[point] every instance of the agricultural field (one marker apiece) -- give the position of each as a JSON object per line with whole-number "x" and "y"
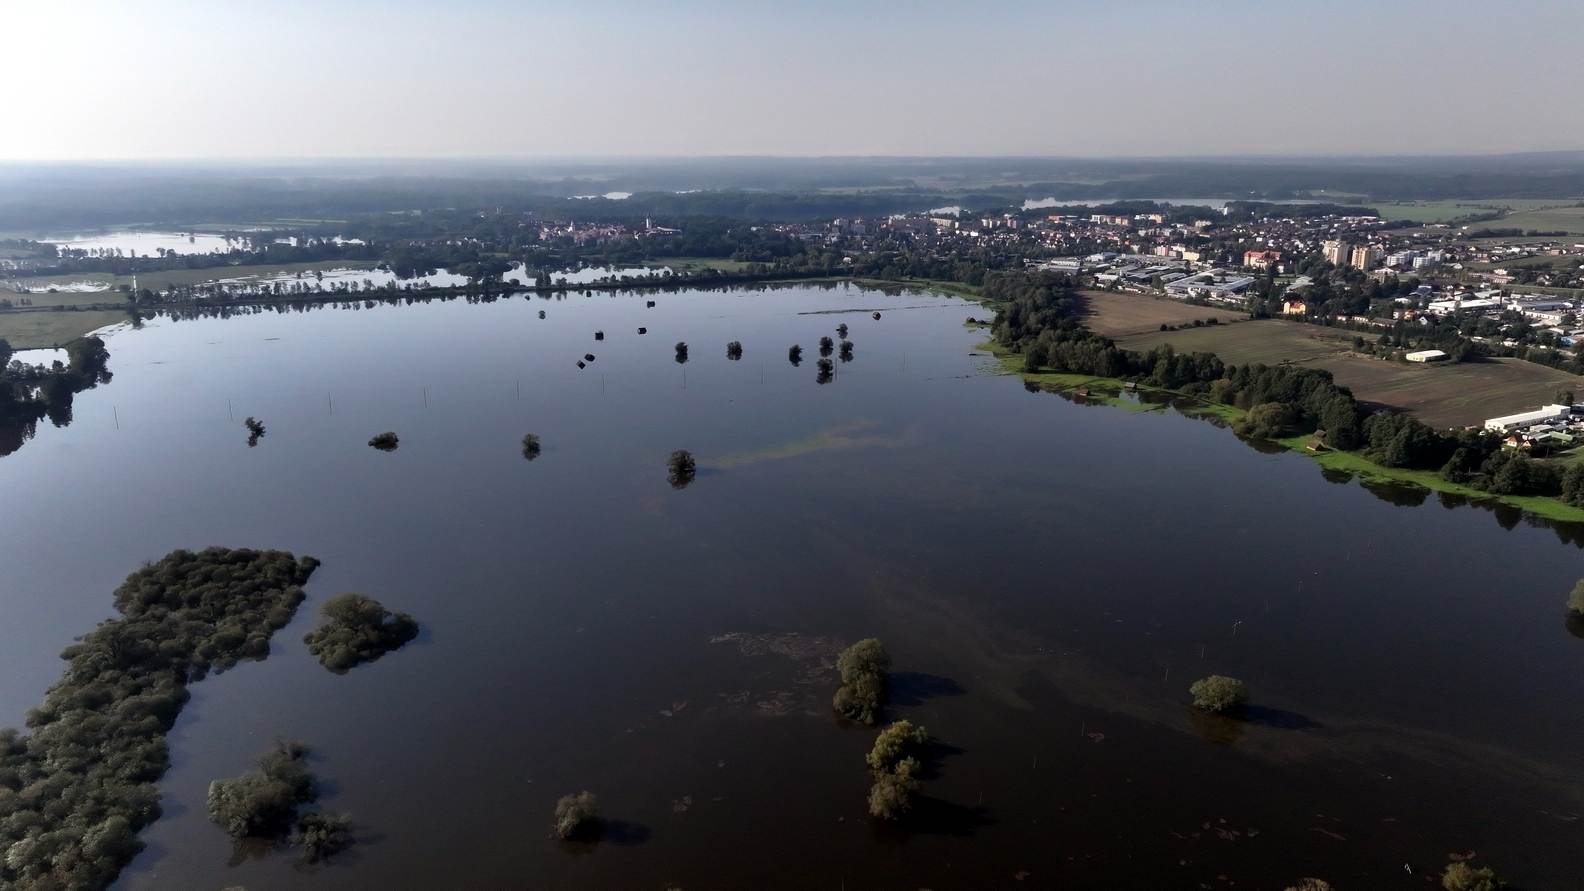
{"x": 1120, "y": 315}
{"x": 683, "y": 263}
{"x": 1441, "y": 395}
{"x": 40, "y": 330}
{"x": 1444, "y": 211}
{"x": 1547, "y": 219}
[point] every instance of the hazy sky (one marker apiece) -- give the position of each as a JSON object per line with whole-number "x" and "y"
{"x": 273, "y": 78}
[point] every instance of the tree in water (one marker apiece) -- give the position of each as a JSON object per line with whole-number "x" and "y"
{"x": 322, "y": 836}
{"x": 530, "y": 446}
{"x": 827, "y": 371}
{"x": 846, "y": 351}
{"x": 734, "y": 351}
{"x": 385, "y": 442}
{"x": 1218, "y": 694}
{"x": 795, "y": 355}
{"x": 841, "y": 330}
{"x": 264, "y": 803}
{"x": 577, "y": 815}
{"x": 681, "y": 468}
{"x": 255, "y": 429}
{"x": 863, "y": 668}
{"x": 681, "y": 353}
{"x": 826, "y": 346}
{"x": 1575, "y": 601}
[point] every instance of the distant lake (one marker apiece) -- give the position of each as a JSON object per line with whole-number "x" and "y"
{"x": 143, "y": 244}
{"x": 1049, "y": 576}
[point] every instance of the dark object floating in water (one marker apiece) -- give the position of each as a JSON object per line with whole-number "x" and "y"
{"x": 877, "y": 315}
{"x": 255, "y": 429}
{"x": 541, "y": 313}
{"x": 734, "y": 351}
{"x": 385, "y": 442}
{"x": 651, "y": 304}
{"x": 588, "y": 357}
{"x": 531, "y": 446}
{"x": 795, "y": 354}
{"x": 582, "y": 364}
{"x": 643, "y": 330}
{"x": 681, "y": 468}
{"x": 841, "y": 330}
{"x": 681, "y": 352}
{"x": 599, "y": 335}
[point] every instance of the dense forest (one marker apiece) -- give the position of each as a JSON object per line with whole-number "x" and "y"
{"x": 1037, "y": 319}
{"x": 75, "y": 791}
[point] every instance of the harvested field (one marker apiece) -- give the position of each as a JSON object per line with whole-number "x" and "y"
{"x": 1441, "y": 394}
{"x": 1119, "y": 315}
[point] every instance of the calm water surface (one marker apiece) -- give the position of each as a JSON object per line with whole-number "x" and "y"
{"x": 1049, "y": 577}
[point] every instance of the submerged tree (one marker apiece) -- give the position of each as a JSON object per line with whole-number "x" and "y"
{"x": 863, "y": 668}
{"x": 576, "y": 815}
{"x": 795, "y": 355}
{"x": 894, "y": 743}
{"x": 264, "y": 803}
{"x": 681, "y": 468}
{"x": 255, "y": 429}
{"x": 734, "y": 351}
{"x": 681, "y": 352}
{"x": 530, "y": 446}
{"x": 846, "y": 351}
{"x": 827, "y": 371}
{"x": 322, "y": 836}
{"x": 826, "y": 346}
{"x": 385, "y": 442}
{"x": 357, "y": 629}
{"x": 1218, "y": 694}
{"x": 841, "y": 330}
{"x": 1575, "y": 601}
{"x": 1460, "y": 876}
{"x": 891, "y": 796}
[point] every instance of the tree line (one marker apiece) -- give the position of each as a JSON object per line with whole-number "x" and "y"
{"x": 1037, "y": 318}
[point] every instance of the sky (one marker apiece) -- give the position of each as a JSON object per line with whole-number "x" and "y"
{"x": 175, "y": 79}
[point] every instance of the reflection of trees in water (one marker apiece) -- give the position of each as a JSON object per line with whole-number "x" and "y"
{"x": 31, "y": 392}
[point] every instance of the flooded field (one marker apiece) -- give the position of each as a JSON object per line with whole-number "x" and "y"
{"x": 1049, "y": 577}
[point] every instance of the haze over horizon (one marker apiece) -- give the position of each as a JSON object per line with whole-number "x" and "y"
{"x": 178, "y": 79}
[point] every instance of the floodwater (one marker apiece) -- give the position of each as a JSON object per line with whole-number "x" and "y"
{"x": 137, "y": 243}
{"x": 327, "y": 279}
{"x": 1049, "y": 577}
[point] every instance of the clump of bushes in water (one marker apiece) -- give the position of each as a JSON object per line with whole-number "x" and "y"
{"x": 1460, "y": 876}
{"x": 1218, "y": 694}
{"x": 1575, "y": 601}
{"x": 577, "y": 815}
{"x": 826, "y": 346}
{"x": 895, "y": 771}
{"x": 530, "y": 446}
{"x": 681, "y": 468}
{"x": 357, "y": 629}
{"x": 863, "y": 668}
{"x": 841, "y": 330}
{"x": 681, "y": 352}
{"x": 846, "y": 351}
{"x": 322, "y": 836}
{"x": 734, "y": 351}
{"x": 255, "y": 429}
{"x": 385, "y": 442}
{"x": 1310, "y": 885}
{"x": 75, "y": 792}
{"x": 264, "y": 803}
{"x": 795, "y": 354}
{"x": 827, "y": 371}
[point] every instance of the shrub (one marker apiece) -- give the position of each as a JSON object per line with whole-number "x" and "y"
{"x": 576, "y": 815}
{"x": 1268, "y": 420}
{"x": 826, "y": 345}
{"x": 255, "y": 429}
{"x": 841, "y": 330}
{"x": 893, "y": 743}
{"x": 1575, "y": 601}
{"x": 264, "y": 803}
{"x": 1462, "y": 877}
{"x": 827, "y": 371}
{"x": 357, "y": 629}
{"x": 385, "y": 442}
{"x": 530, "y": 446}
{"x": 322, "y": 836}
{"x": 1218, "y": 693}
{"x": 862, "y": 667}
{"x": 1310, "y": 885}
{"x": 734, "y": 351}
{"x": 681, "y": 352}
{"x": 681, "y": 468}
{"x": 795, "y": 354}
{"x": 846, "y": 351}
{"x": 892, "y": 793}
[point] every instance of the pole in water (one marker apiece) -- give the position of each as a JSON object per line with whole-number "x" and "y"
{"x": 519, "y": 388}
{"x": 229, "y": 413}
{"x": 330, "y": 402}
{"x": 117, "y": 413}
{"x": 426, "y": 397}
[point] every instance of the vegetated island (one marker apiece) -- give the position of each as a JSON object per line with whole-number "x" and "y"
{"x": 1037, "y": 333}
{"x": 357, "y": 629}
{"x": 265, "y": 804}
{"x": 385, "y": 442}
{"x": 76, "y": 790}
{"x": 862, "y": 693}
